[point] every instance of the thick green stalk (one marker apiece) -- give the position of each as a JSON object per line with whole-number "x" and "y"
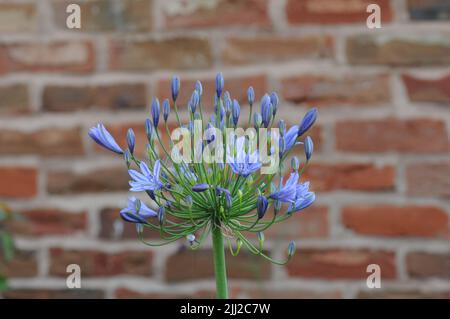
{"x": 220, "y": 269}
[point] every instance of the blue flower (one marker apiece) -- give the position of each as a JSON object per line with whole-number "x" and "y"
{"x": 148, "y": 129}
{"x": 266, "y": 110}
{"x": 282, "y": 128}
{"x": 219, "y": 84}
{"x": 243, "y": 164}
{"x": 287, "y": 193}
{"x": 274, "y": 100}
{"x": 303, "y": 198}
{"x": 166, "y": 109}
{"x": 261, "y": 206}
{"x": 291, "y": 249}
{"x": 155, "y": 112}
{"x": 194, "y": 101}
{"x": 200, "y": 188}
{"x": 290, "y": 137}
{"x": 175, "y": 87}
{"x": 236, "y": 112}
{"x": 136, "y": 211}
{"x": 131, "y": 140}
{"x": 146, "y": 180}
{"x": 199, "y": 88}
{"x": 250, "y": 95}
{"x": 308, "y": 121}
{"x": 103, "y": 138}
{"x": 309, "y": 147}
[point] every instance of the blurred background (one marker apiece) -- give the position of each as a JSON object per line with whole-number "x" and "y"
{"x": 381, "y": 168}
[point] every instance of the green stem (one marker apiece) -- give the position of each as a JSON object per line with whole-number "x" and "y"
{"x": 219, "y": 263}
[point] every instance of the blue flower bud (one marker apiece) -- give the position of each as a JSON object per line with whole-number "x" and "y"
{"x": 228, "y": 103}
{"x": 282, "y": 146}
{"x": 222, "y": 113}
{"x": 282, "y": 128}
{"x": 155, "y": 112}
{"x": 199, "y": 88}
{"x": 274, "y": 100}
{"x": 308, "y": 121}
{"x": 166, "y": 109}
{"x": 175, "y": 86}
{"x": 219, "y": 84}
{"x": 195, "y": 100}
{"x": 228, "y": 200}
{"x": 261, "y": 206}
{"x": 291, "y": 249}
{"x": 266, "y": 110}
{"x": 131, "y": 140}
{"x": 200, "y": 187}
{"x": 295, "y": 163}
{"x": 309, "y": 147}
{"x": 161, "y": 215}
{"x": 148, "y": 129}
{"x": 188, "y": 201}
{"x": 236, "y": 112}
{"x": 257, "y": 120}
{"x": 250, "y": 95}
{"x": 127, "y": 157}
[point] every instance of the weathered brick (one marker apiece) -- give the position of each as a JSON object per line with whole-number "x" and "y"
{"x": 108, "y": 15}
{"x": 429, "y": 9}
{"x": 334, "y": 11}
{"x": 53, "y": 294}
{"x": 44, "y": 142}
{"x": 23, "y": 264}
{"x": 392, "y": 135}
{"x": 425, "y": 265}
{"x": 121, "y": 96}
{"x": 125, "y": 293}
{"x": 428, "y": 90}
{"x": 199, "y": 14}
{"x": 237, "y": 86}
{"x": 424, "y": 50}
{"x": 261, "y": 49}
{"x": 313, "y": 222}
{"x": 101, "y": 264}
{"x": 110, "y": 179}
{"x": 14, "y": 99}
{"x": 390, "y": 220}
{"x": 355, "y": 90}
{"x": 18, "y": 17}
{"x": 428, "y": 179}
{"x": 194, "y": 265}
{"x": 402, "y": 294}
{"x": 340, "y": 264}
{"x": 47, "y": 222}
{"x": 74, "y": 56}
{"x": 175, "y": 53}
{"x": 350, "y": 176}
{"x": 18, "y": 181}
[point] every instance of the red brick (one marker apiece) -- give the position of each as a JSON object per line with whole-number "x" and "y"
{"x": 194, "y": 265}
{"x": 53, "y": 294}
{"x": 334, "y": 11}
{"x": 428, "y": 179}
{"x": 425, "y": 265}
{"x": 428, "y": 90}
{"x": 424, "y": 50}
{"x": 340, "y": 263}
{"x": 106, "y": 15}
{"x": 330, "y": 90}
{"x": 392, "y": 135}
{"x": 110, "y": 179}
{"x": 20, "y": 182}
{"x": 44, "y": 142}
{"x": 175, "y": 53}
{"x": 125, "y": 293}
{"x": 200, "y": 14}
{"x": 48, "y": 221}
{"x": 101, "y": 264}
{"x": 14, "y": 99}
{"x": 23, "y": 265}
{"x": 237, "y": 86}
{"x": 389, "y": 220}
{"x": 261, "y": 49}
{"x": 18, "y": 17}
{"x": 120, "y": 96}
{"x": 74, "y": 56}
{"x": 350, "y": 176}
{"x": 313, "y": 222}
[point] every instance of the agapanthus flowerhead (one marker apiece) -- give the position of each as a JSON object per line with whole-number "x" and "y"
{"x": 156, "y": 111}
{"x": 308, "y": 121}
{"x": 137, "y": 212}
{"x": 250, "y": 95}
{"x": 146, "y": 179}
{"x": 236, "y": 111}
{"x": 103, "y": 138}
{"x": 266, "y": 110}
{"x": 242, "y": 163}
{"x": 131, "y": 140}
{"x": 219, "y": 84}
{"x": 166, "y": 109}
{"x": 175, "y": 87}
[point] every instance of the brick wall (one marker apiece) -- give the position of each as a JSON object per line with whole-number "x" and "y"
{"x": 381, "y": 170}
